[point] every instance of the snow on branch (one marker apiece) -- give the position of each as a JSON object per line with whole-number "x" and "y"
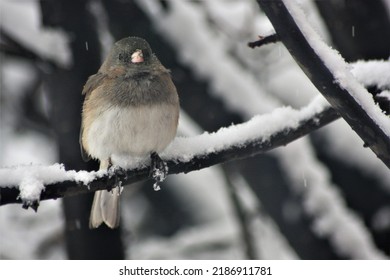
{"x": 216, "y": 64}
{"x": 372, "y": 73}
{"x": 48, "y": 45}
{"x": 343, "y": 228}
{"x": 330, "y": 74}
{"x": 29, "y": 185}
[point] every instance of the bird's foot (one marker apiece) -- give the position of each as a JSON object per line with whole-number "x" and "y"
{"x": 118, "y": 173}
{"x": 158, "y": 170}
{"x": 33, "y": 204}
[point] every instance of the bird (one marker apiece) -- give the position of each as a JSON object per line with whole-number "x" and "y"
{"x": 131, "y": 107}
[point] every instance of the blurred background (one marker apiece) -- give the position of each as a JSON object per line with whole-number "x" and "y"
{"x": 321, "y": 197}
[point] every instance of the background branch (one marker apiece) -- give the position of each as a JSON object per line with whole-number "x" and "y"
{"x": 198, "y": 161}
{"x": 283, "y": 195}
{"x": 11, "y": 47}
{"x": 322, "y": 77}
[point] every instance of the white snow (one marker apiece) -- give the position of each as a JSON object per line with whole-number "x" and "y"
{"x": 25, "y": 147}
{"x": 343, "y": 143}
{"x": 223, "y": 12}
{"x": 385, "y": 94}
{"x": 14, "y": 176}
{"x": 322, "y": 200}
{"x": 106, "y": 39}
{"x": 259, "y": 127}
{"x": 30, "y": 189}
{"x": 271, "y": 244}
{"x": 373, "y": 72}
{"x": 339, "y": 68}
{"x": 248, "y": 82}
{"x": 208, "y": 54}
{"x": 28, "y": 235}
{"x": 201, "y": 189}
{"x": 189, "y": 244}
{"x": 21, "y": 19}
{"x": 31, "y": 179}
{"x": 341, "y": 140}
{"x": 183, "y": 148}
{"x": 15, "y": 70}
{"x": 205, "y": 50}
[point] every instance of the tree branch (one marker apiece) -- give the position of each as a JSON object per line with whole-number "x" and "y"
{"x": 323, "y": 77}
{"x": 243, "y": 219}
{"x": 281, "y": 137}
{"x": 264, "y": 40}
{"x": 11, "y": 47}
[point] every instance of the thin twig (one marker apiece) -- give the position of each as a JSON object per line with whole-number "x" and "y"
{"x": 264, "y": 40}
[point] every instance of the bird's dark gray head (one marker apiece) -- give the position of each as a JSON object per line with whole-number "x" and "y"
{"x": 129, "y": 52}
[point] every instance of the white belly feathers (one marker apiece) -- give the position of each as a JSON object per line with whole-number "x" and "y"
{"x": 136, "y": 131}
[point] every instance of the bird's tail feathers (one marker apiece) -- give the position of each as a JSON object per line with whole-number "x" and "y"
{"x": 105, "y": 206}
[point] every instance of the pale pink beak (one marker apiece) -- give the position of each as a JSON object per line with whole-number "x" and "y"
{"x": 137, "y": 57}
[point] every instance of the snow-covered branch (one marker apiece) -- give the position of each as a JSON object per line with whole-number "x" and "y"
{"x": 308, "y": 177}
{"x": 330, "y": 74}
{"x": 29, "y": 185}
{"x": 48, "y": 45}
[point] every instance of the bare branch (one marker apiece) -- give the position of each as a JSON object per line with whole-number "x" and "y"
{"x": 264, "y": 40}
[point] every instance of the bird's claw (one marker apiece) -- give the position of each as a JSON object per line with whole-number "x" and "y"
{"x": 158, "y": 170}
{"x": 118, "y": 172}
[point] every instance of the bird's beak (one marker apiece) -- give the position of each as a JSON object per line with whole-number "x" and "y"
{"x": 137, "y": 57}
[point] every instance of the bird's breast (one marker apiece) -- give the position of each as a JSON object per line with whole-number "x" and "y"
{"x": 132, "y": 130}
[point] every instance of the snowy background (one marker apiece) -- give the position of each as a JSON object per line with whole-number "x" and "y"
{"x": 323, "y": 196}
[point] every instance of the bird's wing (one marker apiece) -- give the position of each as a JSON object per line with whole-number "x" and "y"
{"x": 92, "y": 83}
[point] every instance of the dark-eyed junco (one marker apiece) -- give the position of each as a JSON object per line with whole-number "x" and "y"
{"x": 131, "y": 107}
